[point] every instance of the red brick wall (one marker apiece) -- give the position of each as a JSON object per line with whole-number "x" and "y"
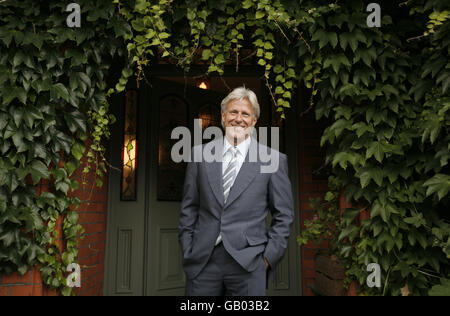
{"x": 311, "y": 157}
{"x": 92, "y": 216}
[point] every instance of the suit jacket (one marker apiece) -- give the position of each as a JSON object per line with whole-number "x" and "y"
{"x": 242, "y": 219}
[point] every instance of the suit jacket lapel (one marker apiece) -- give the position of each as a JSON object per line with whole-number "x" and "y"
{"x": 247, "y": 173}
{"x": 214, "y": 172}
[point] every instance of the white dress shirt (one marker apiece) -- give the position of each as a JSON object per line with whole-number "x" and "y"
{"x": 242, "y": 149}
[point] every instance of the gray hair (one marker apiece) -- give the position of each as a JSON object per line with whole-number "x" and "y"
{"x": 239, "y": 94}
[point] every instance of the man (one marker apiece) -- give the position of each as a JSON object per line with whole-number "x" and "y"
{"x": 227, "y": 249}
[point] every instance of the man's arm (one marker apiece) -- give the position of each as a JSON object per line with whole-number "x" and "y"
{"x": 189, "y": 206}
{"x": 282, "y": 209}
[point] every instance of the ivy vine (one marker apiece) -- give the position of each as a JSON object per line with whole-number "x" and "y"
{"x": 384, "y": 92}
{"x": 386, "y": 95}
{"x": 53, "y": 98}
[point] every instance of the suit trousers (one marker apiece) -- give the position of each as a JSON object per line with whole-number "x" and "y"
{"x": 222, "y": 275}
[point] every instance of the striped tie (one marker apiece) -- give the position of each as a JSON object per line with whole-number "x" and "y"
{"x": 229, "y": 174}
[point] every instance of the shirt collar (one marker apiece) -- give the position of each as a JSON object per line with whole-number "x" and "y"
{"x": 242, "y": 146}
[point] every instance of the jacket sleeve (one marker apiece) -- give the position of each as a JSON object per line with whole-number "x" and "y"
{"x": 282, "y": 210}
{"x": 189, "y": 207}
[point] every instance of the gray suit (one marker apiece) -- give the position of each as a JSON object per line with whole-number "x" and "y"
{"x": 242, "y": 219}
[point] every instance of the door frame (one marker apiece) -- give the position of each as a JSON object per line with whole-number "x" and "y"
{"x": 291, "y": 146}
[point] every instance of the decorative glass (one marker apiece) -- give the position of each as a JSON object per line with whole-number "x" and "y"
{"x": 210, "y": 116}
{"x": 129, "y": 149}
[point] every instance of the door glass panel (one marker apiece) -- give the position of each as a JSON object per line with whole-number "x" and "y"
{"x": 173, "y": 112}
{"x": 210, "y": 116}
{"x": 129, "y": 148}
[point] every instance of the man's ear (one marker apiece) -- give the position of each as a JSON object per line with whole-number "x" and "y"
{"x": 223, "y": 118}
{"x": 255, "y": 120}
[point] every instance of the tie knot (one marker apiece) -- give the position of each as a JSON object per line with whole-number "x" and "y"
{"x": 234, "y": 151}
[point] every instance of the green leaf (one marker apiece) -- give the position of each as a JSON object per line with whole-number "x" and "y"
{"x": 440, "y": 183}
{"x": 33, "y": 221}
{"x": 8, "y": 237}
{"x": 422, "y": 240}
{"x": 67, "y": 291}
{"x": 17, "y": 114}
{"x": 333, "y": 39}
{"x": 76, "y": 121}
{"x": 290, "y": 73}
{"x": 85, "y": 80}
{"x": 39, "y": 171}
{"x": 72, "y": 217}
{"x": 377, "y": 228}
{"x": 206, "y": 54}
{"x": 342, "y": 158}
{"x": 33, "y": 252}
{"x": 321, "y": 36}
{"x": 367, "y": 55}
{"x": 18, "y": 140}
{"x": 246, "y": 4}
{"x": 59, "y": 91}
{"x": 442, "y": 289}
{"x": 78, "y": 57}
{"x": 62, "y": 186}
{"x": 349, "y": 215}
{"x": 278, "y": 69}
{"x": 348, "y": 232}
{"x": 70, "y": 167}
{"x": 348, "y": 38}
{"x": 268, "y": 46}
{"x": 259, "y": 14}
{"x": 367, "y": 174}
{"x": 10, "y": 93}
{"x": 384, "y": 212}
{"x": 336, "y": 61}
{"x": 19, "y": 57}
{"x": 375, "y": 149}
{"x": 339, "y": 126}
{"x": 78, "y": 150}
{"x": 219, "y": 59}
{"x": 288, "y": 84}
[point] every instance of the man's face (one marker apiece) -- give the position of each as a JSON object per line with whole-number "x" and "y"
{"x": 238, "y": 119}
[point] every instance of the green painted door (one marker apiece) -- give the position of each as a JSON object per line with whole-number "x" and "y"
{"x": 177, "y": 105}
{"x": 143, "y": 254}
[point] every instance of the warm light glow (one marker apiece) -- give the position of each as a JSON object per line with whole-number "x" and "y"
{"x": 129, "y": 149}
{"x": 203, "y": 85}
{"x": 205, "y": 120}
{"x": 129, "y": 157}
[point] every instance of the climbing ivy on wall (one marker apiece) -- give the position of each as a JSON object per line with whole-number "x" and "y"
{"x": 383, "y": 91}
{"x": 214, "y": 32}
{"x": 52, "y": 99}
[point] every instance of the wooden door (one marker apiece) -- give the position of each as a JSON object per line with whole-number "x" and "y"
{"x": 174, "y": 105}
{"x": 143, "y": 254}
